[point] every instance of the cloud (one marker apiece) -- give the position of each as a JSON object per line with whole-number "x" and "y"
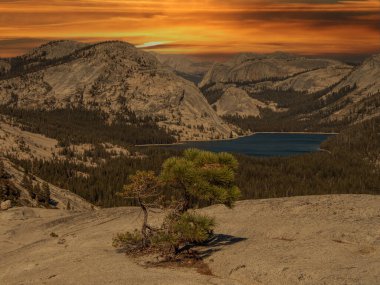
{"x": 196, "y": 26}
{"x": 152, "y": 45}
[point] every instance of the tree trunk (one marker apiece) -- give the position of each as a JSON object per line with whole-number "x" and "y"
{"x": 145, "y": 224}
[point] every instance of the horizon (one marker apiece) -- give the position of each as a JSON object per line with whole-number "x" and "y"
{"x": 200, "y": 29}
{"x": 215, "y": 57}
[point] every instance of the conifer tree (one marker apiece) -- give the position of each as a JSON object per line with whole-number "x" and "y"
{"x": 202, "y": 177}
{"x": 45, "y": 193}
{"x": 37, "y": 192}
{"x": 143, "y": 188}
{"x": 197, "y": 178}
{"x": 28, "y": 185}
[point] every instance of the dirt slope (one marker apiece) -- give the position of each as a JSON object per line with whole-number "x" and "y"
{"x": 302, "y": 240}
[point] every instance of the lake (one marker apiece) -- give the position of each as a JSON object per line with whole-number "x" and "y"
{"x": 265, "y": 144}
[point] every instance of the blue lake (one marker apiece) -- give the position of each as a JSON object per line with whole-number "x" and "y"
{"x": 266, "y": 144}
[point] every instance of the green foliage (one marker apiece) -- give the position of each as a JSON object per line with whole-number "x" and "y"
{"x": 180, "y": 231}
{"x": 175, "y": 233}
{"x": 192, "y": 228}
{"x": 312, "y": 174}
{"x": 197, "y": 176}
{"x": 101, "y": 183}
{"x": 142, "y": 185}
{"x": 348, "y": 169}
{"x": 361, "y": 140}
{"x": 202, "y": 177}
{"x": 129, "y": 241}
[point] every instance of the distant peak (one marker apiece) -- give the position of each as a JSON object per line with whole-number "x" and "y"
{"x": 55, "y": 49}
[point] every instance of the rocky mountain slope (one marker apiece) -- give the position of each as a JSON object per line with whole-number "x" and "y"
{"x": 254, "y": 68}
{"x": 320, "y": 90}
{"x": 185, "y": 66}
{"x": 330, "y": 239}
{"x": 59, "y": 196}
{"x": 5, "y": 66}
{"x": 111, "y": 77}
{"x": 236, "y": 102}
{"x": 256, "y": 74}
{"x": 362, "y": 101}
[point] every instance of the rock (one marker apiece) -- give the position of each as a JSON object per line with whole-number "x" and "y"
{"x": 115, "y": 77}
{"x": 5, "y": 205}
{"x": 236, "y": 102}
{"x": 253, "y": 68}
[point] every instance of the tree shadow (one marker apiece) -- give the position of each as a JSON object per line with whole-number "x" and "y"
{"x": 214, "y": 244}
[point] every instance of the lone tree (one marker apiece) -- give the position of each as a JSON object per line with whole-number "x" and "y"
{"x": 198, "y": 178}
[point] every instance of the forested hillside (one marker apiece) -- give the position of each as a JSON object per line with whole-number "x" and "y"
{"x": 78, "y": 125}
{"x": 348, "y": 165}
{"x": 292, "y": 93}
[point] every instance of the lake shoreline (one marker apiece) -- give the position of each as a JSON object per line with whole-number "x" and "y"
{"x": 301, "y": 133}
{"x": 236, "y": 138}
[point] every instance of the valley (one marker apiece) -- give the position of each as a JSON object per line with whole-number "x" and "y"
{"x": 82, "y": 128}
{"x": 78, "y": 120}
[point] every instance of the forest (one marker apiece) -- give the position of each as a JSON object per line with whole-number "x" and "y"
{"x": 299, "y": 105}
{"x": 79, "y": 125}
{"x": 346, "y": 166}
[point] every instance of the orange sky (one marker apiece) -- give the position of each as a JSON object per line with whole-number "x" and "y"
{"x": 197, "y": 27}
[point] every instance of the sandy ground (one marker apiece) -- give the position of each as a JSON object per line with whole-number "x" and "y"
{"x": 302, "y": 240}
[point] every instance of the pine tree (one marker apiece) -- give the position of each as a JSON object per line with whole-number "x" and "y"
{"x": 143, "y": 187}
{"x": 28, "y": 185}
{"x": 198, "y": 177}
{"x": 37, "y": 192}
{"x": 45, "y": 193}
{"x": 202, "y": 177}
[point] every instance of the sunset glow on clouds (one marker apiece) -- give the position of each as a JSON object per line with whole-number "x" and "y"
{"x": 195, "y": 26}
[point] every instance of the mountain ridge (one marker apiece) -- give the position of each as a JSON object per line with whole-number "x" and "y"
{"x": 324, "y": 91}
{"x": 111, "y": 76}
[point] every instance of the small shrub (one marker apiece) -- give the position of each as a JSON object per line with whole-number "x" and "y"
{"x": 193, "y": 228}
{"x": 128, "y": 241}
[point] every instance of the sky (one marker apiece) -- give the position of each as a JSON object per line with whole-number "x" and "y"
{"x": 208, "y": 28}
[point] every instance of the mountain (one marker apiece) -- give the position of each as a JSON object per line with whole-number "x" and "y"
{"x": 112, "y": 77}
{"x": 294, "y": 90}
{"x": 5, "y": 67}
{"x": 362, "y": 98}
{"x": 54, "y": 50}
{"x": 236, "y": 102}
{"x": 185, "y": 66}
{"x": 257, "y": 74}
{"x": 253, "y": 68}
